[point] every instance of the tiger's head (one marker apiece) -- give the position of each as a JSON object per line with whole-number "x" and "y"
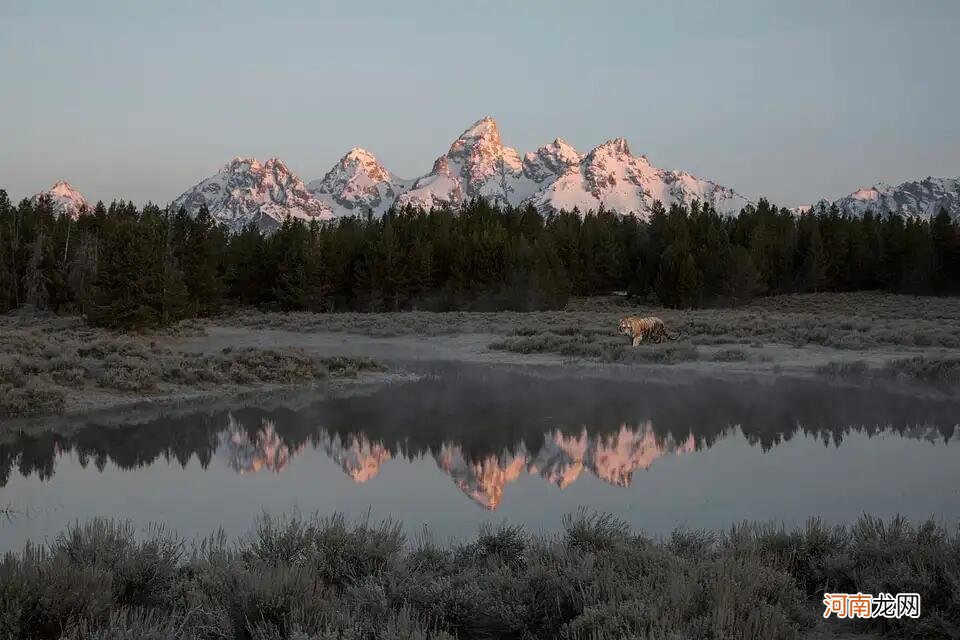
{"x": 624, "y": 327}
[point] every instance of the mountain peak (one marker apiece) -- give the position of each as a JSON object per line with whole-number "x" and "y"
{"x": 358, "y": 153}
{"x": 557, "y": 177}
{"x": 486, "y": 123}
{"x": 483, "y": 129}
{"x": 64, "y": 199}
{"x": 616, "y": 145}
{"x": 246, "y": 191}
{"x": 922, "y": 198}
{"x": 276, "y": 164}
{"x": 550, "y": 161}
{"x": 241, "y": 164}
{"x": 358, "y": 183}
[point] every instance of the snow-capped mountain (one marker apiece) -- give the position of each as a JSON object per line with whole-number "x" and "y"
{"x": 550, "y": 161}
{"x": 613, "y": 178}
{"x": 914, "y": 198}
{"x": 65, "y": 199}
{"x": 246, "y": 191}
{"x": 923, "y": 198}
{"x": 557, "y": 177}
{"x": 477, "y": 165}
{"x": 358, "y": 184}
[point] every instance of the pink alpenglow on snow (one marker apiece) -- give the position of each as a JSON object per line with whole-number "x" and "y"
{"x": 65, "y": 200}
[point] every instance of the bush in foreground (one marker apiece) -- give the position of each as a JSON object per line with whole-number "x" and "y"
{"x": 327, "y": 578}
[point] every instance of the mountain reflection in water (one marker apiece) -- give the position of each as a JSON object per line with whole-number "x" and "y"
{"x": 486, "y": 428}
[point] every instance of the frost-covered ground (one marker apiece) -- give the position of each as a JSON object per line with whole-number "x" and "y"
{"x": 60, "y": 365}
{"x": 783, "y": 334}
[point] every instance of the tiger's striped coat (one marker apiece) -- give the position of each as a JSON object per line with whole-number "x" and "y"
{"x": 640, "y": 329}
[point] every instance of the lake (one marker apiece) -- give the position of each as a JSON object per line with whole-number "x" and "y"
{"x": 466, "y": 445}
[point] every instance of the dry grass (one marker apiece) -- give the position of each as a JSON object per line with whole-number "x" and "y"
{"x": 313, "y": 578}
{"x": 44, "y": 361}
{"x": 587, "y": 327}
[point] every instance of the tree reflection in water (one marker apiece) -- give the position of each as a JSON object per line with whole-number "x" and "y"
{"x": 487, "y": 427}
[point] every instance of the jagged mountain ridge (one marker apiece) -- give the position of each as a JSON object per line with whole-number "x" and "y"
{"x": 245, "y": 191}
{"x": 65, "y": 199}
{"x": 611, "y": 177}
{"x": 358, "y": 184}
{"x": 477, "y": 165}
{"x": 921, "y": 198}
{"x": 557, "y": 177}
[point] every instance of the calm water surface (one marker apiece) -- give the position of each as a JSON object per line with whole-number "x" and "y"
{"x": 468, "y": 445}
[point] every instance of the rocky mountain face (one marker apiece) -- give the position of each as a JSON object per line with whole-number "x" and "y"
{"x": 358, "y": 184}
{"x": 65, "y": 199}
{"x": 922, "y": 198}
{"x": 246, "y": 191}
{"x": 477, "y": 165}
{"x": 611, "y": 177}
{"x": 550, "y": 161}
{"x": 557, "y": 177}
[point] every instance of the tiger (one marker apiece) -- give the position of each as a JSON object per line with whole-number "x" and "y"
{"x": 640, "y": 329}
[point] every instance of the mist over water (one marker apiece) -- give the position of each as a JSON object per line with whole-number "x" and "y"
{"x": 465, "y": 445}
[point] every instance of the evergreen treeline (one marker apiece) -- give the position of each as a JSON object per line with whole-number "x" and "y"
{"x": 128, "y": 267}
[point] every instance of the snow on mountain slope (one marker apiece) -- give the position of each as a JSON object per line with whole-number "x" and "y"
{"x": 65, "y": 199}
{"x": 557, "y": 177}
{"x": 246, "y": 191}
{"x": 550, "y": 161}
{"x": 476, "y": 165}
{"x": 922, "y": 198}
{"x": 358, "y": 184}
{"x": 611, "y": 177}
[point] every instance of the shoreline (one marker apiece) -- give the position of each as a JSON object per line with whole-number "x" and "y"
{"x": 60, "y": 366}
{"x": 404, "y": 354}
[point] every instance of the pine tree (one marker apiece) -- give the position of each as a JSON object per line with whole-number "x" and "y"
{"x": 35, "y": 280}
{"x": 7, "y": 277}
{"x": 945, "y": 236}
{"x": 200, "y": 257}
{"x": 678, "y": 281}
{"x": 813, "y": 276}
{"x": 742, "y": 279}
{"x": 126, "y": 292}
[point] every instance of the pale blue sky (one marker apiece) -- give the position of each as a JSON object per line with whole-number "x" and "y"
{"x": 794, "y": 100}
